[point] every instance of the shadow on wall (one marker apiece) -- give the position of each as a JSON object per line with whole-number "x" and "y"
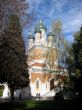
{"x": 23, "y": 93}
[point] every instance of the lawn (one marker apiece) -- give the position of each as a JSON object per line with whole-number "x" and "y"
{"x": 40, "y": 105}
{"x": 1, "y": 90}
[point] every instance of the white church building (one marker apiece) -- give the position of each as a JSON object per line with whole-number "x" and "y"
{"x": 42, "y": 82}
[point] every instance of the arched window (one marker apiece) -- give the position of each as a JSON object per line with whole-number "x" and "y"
{"x": 37, "y": 84}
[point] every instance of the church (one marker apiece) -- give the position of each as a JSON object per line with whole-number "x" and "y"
{"x": 43, "y": 82}
{"x": 45, "y": 72}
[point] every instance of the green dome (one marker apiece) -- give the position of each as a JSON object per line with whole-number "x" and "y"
{"x": 37, "y": 29}
{"x": 50, "y": 34}
{"x": 39, "y": 26}
{"x": 42, "y": 26}
{"x": 31, "y": 36}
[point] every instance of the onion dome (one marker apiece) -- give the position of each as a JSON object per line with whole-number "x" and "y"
{"x": 50, "y": 34}
{"x": 31, "y": 36}
{"x": 37, "y": 29}
{"x": 42, "y": 26}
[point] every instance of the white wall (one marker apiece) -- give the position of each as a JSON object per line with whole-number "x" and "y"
{"x": 25, "y": 92}
{"x": 6, "y": 91}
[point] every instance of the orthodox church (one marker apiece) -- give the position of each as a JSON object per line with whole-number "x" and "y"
{"x": 45, "y": 72}
{"x": 42, "y": 82}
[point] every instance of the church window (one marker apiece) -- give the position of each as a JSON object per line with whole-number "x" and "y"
{"x": 37, "y": 84}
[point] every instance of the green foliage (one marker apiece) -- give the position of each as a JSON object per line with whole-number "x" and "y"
{"x": 13, "y": 68}
{"x": 74, "y": 61}
{"x": 1, "y": 90}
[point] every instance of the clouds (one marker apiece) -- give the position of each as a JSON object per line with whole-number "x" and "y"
{"x": 72, "y": 20}
{"x": 68, "y": 11}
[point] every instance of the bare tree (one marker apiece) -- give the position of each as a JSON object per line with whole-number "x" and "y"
{"x": 59, "y": 41}
{"x": 51, "y": 57}
{"x": 8, "y": 7}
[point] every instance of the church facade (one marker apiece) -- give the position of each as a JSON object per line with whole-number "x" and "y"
{"x": 42, "y": 82}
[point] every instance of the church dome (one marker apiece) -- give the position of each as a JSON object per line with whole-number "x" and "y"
{"x": 31, "y": 36}
{"x": 50, "y": 34}
{"x": 37, "y": 29}
{"x": 42, "y": 26}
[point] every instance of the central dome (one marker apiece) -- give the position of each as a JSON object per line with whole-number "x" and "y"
{"x": 37, "y": 29}
{"x": 40, "y": 26}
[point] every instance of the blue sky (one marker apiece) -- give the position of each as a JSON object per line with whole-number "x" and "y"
{"x": 68, "y": 11}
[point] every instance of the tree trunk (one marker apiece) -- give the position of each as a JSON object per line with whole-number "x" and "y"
{"x": 12, "y": 93}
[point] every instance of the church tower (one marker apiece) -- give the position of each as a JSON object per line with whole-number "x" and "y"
{"x": 43, "y": 33}
{"x": 30, "y": 41}
{"x": 50, "y": 39}
{"x": 37, "y": 35}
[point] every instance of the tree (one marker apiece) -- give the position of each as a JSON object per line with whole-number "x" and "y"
{"x": 59, "y": 41}
{"x": 57, "y": 30}
{"x": 56, "y": 55}
{"x": 74, "y": 62}
{"x": 9, "y": 7}
{"x": 13, "y": 68}
{"x": 51, "y": 58}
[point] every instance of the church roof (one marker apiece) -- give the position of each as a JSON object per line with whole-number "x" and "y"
{"x": 42, "y": 77}
{"x": 40, "y": 26}
{"x": 50, "y": 34}
{"x": 37, "y": 29}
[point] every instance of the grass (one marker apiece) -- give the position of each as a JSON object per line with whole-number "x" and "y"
{"x": 40, "y": 105}
{"x": 1, "y": 90}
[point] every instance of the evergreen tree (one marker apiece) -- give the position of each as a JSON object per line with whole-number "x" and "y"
{"x": 74, "y": 62}
{"x": 13, "y": 68}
